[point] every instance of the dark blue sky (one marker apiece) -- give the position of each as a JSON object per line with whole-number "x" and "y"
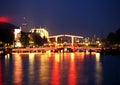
{"x": 80, "y": 17}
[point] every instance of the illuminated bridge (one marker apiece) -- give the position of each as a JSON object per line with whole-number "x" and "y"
{"x": 46, "y": 48}
{"x": 66, "y": 35}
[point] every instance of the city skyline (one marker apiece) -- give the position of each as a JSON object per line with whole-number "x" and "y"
{"x": 86, "y": 18}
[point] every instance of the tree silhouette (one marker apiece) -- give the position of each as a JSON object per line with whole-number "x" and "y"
{"x": 24, "y": 39}
{"x": 118, "y": 36}
{"x": 45, "y": 40}
{"x": 7, "y": 32}
{"x": 111, "y": 38}
{"x": 37, "y": 39}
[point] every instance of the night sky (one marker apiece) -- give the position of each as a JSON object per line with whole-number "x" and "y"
{"x": 80, "y": 17}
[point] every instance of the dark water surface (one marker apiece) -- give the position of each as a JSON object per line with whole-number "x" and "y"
{"x": 60, "y": 69}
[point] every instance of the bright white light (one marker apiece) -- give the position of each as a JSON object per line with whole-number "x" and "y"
{"x": 65, "y": 49}
{"x": 86, "y": 44}
{"x": 18, "y": 44}
{"x": 97, "y": 56}
{"x": 17, "y": 33}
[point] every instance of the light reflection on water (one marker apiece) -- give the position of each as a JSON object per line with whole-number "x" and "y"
{"x": 55, "y": 77}
{"x": 98, "y": 69}
{"x": 72, "y": 71}
{"x": 58, "y": 69}
{"x": 1, "y": 73}
{"x": 17, "y": 70}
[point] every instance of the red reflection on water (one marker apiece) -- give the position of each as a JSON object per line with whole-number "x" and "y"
{"x": 55, "y": 72}
{"x": 1, "y": 76}
{"x": 17, "y": 72}
{"x": 72, "y": 71}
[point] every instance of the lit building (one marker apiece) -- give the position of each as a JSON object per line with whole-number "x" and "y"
{"x": 17, "y": 35}
{"x": 42, "y": 31}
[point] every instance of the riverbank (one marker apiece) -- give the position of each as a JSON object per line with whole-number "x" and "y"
{"x": 4, "y": 51}
{"x": 110, "y": 51}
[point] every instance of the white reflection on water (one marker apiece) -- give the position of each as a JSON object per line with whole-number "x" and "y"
{"x": 31, "y": 67}
{"x": 17, "y": 70}
{"x": 98, "y": 68}
{"x": 97, "y": 56}
{"x": 31, "y": 59}
{"x": 7, "y": 60}
{"x": 7, "y": 56}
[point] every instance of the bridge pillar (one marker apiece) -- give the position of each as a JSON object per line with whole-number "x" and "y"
{"x": 56, "y": 39}
{"x": 72, "y": 40}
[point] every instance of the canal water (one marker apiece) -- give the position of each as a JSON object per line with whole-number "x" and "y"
{"x": 60, "y": 69}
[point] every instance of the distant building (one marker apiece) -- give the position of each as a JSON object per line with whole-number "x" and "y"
{"x": 42, "y": 31}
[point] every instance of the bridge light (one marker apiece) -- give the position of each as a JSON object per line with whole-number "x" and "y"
{"x": 99, "y": 44}
{"x": 61, "y": 44}
{"x": 18, "y": 44}
{"x": 86, "y": 44}
{"x": 65, "y": 49}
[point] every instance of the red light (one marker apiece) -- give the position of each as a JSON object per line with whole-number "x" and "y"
{"x": 4, "y": 19}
